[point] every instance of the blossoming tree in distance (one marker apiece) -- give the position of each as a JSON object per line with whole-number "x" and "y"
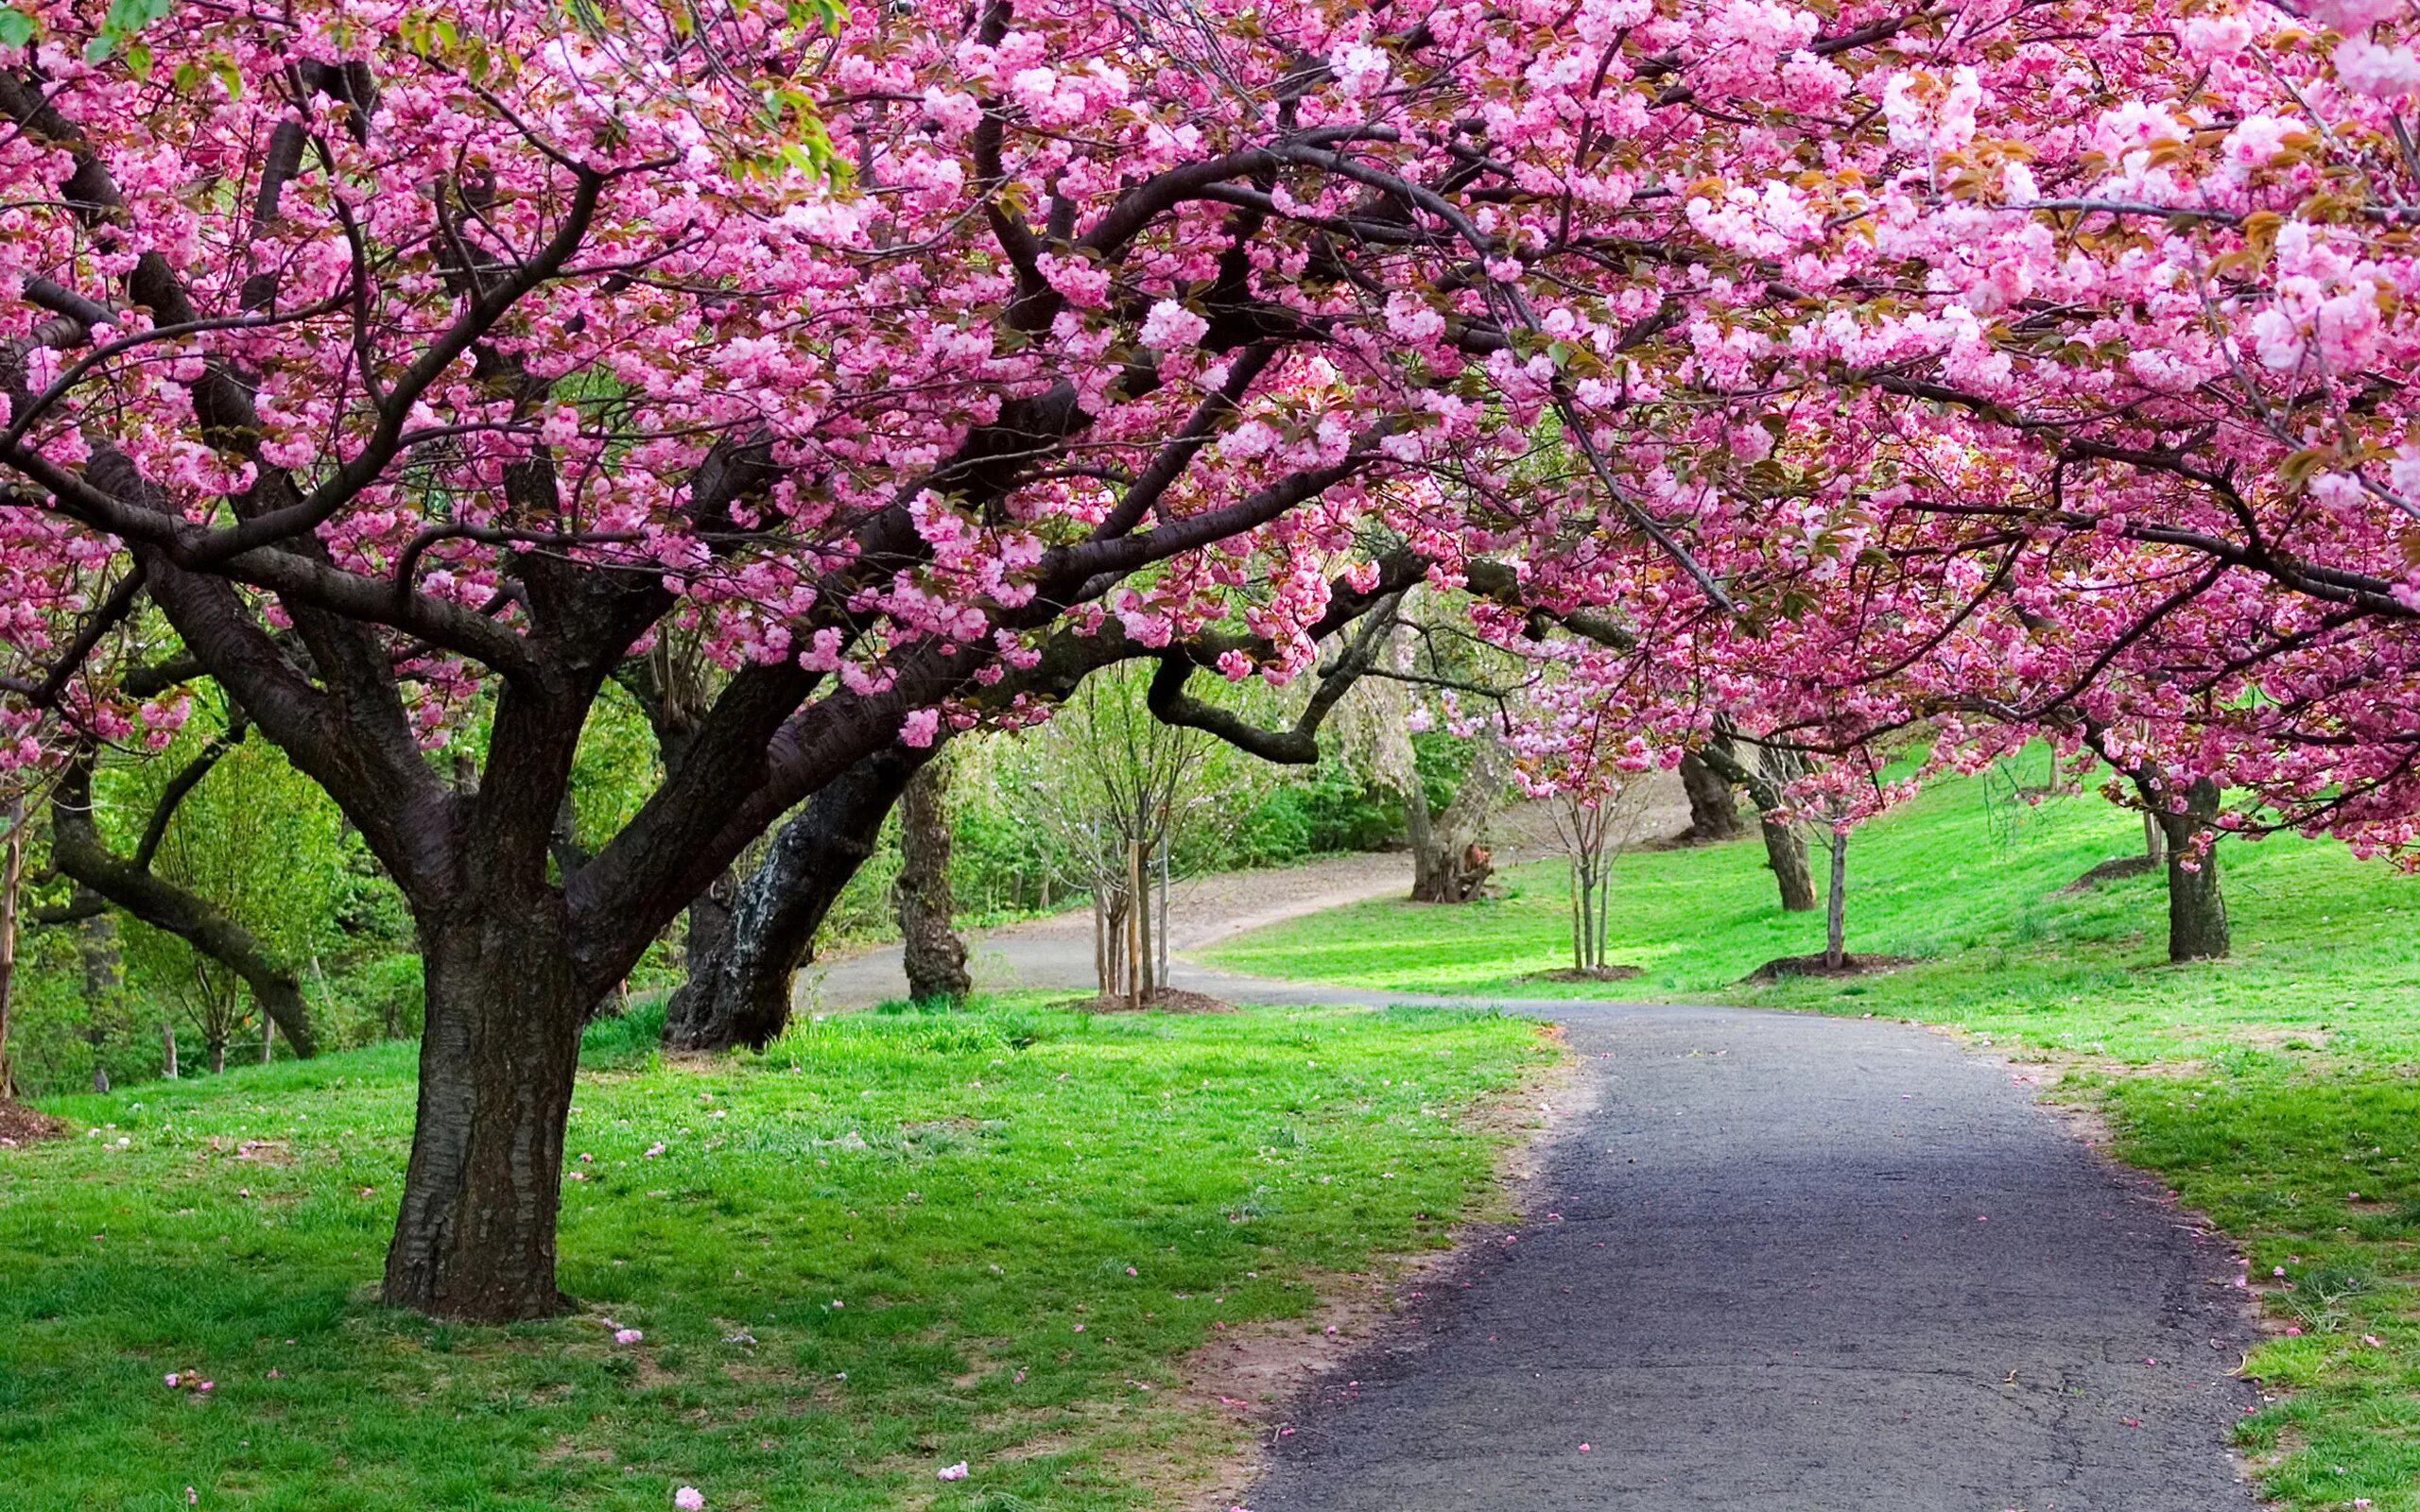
{"x": 389, "y": 364}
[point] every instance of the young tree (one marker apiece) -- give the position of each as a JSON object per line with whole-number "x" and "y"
{"x": 1124, "y": 794}
{"x": 12, "y": 878}
{"x": 1595, "y": 828}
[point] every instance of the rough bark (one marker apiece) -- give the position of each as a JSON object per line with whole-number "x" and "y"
{"x": 935, "y": 957}
{"x": 1785, "y": 848}
{"x": 708, "y": 941}
{"x": 2197, "y": 911}
{"x": 475, "y": 1235}
{"x": 1785, "y": 844}
{"x": 1714, "y": 805}
{"x": 746, "y": 996}
{"x": 1785, "y": 854}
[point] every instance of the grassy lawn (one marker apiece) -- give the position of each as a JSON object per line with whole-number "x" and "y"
{"x": 2279, "y": 1090}
{"x": 892, "y": 1242}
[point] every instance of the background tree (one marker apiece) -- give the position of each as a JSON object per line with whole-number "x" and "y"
{"x": 253, "y": 840}
{"x": 1126, "y": 799}
{"x": 1595, "y": 828}
{"x": 935, "y": 957}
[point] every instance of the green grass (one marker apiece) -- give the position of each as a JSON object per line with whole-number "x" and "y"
{"x": 893, "y": 1241}
{"x": 2328, "y": 948}
{"x": 2266, "y": 1088}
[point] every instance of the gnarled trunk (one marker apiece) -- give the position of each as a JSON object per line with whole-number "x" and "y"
{"x": 1785, "y": 847}
{"x": 475, "y": 1237}
{"x": 1785, "y": 854}
{"x": 935, "y": 957}
{"x": 742, "y": 993}
{"x": 708, "y": 942}
{"x": 1449, "y": 865}
{"x": 1714, "y": 806}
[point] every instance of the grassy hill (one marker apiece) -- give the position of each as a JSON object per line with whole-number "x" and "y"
{"x": 892, "y": 1242}
{"x": 1966, "y": 880}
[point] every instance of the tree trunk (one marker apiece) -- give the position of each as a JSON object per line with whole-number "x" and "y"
{"x": 2197, "y": 913}
{"x": 475, "y": 1236}
{"x": 1136, "y": 906}
{"x": 746, "y": 999}
{"x": 217, "y": 1046}
{"x": 707, "y": 943}
{"x": 1836, "y": 905}
{"x": 934, "y": 956}
{"x": 167, "y": 1049}
{"x": 1713, "y": 807}
{"x": 1448, "y": 863}
{"x": 268, "y": 1038}
{"x": 2155, "y": 843}
{"x": 12, "y": 878}
{"x": 1786, "y": 852}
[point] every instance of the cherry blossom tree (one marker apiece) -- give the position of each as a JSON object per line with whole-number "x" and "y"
{"x": 419, "y": 360}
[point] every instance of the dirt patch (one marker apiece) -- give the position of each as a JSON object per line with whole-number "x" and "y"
{"x": 2109, "y": 870}
{"x": 20, "y": 1124}
{"x": 1167, "y": 999}
{"x": 1587, "y": 973}
{"x": 1253, "y": 1374}
{"x": 1851, "y": 965}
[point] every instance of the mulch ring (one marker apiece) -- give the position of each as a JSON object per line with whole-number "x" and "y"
{"x": 2110, "y": 871}
{"x": 1589, "y": 973}
{"x": 1774, "y": 970}
{"x": 1167, "y": 999}
{"x": 20, "y": 1124}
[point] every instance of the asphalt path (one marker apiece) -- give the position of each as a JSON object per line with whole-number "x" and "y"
{"x": 1798, "y": 1265}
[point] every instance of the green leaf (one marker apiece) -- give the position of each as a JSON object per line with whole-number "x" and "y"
{"x": 16, "y": 28}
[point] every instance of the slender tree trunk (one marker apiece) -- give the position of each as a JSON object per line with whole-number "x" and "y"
{"x": 1137, "y": 988}
{"x": 1578, "y": 933}
{"x": 2155, "y": 843}
{"x": 167, "y": 1049}
{"x": 1419, "y": 832}
{"x": 1713, "y": 807}
{"x": 268, "y": 1038}
{"x": 13, "y": 877}
{"x": 1836, "y": 906}
{"x": 215, "y": 1045}
{"x": 104, "y": 983}
{"x": 934, "y": 956}
{"x": 2197, "y": 912}
{"x": 475, "y": 1236}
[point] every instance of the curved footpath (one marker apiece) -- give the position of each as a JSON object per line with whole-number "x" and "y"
{"x": 1789, "y": 1263}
